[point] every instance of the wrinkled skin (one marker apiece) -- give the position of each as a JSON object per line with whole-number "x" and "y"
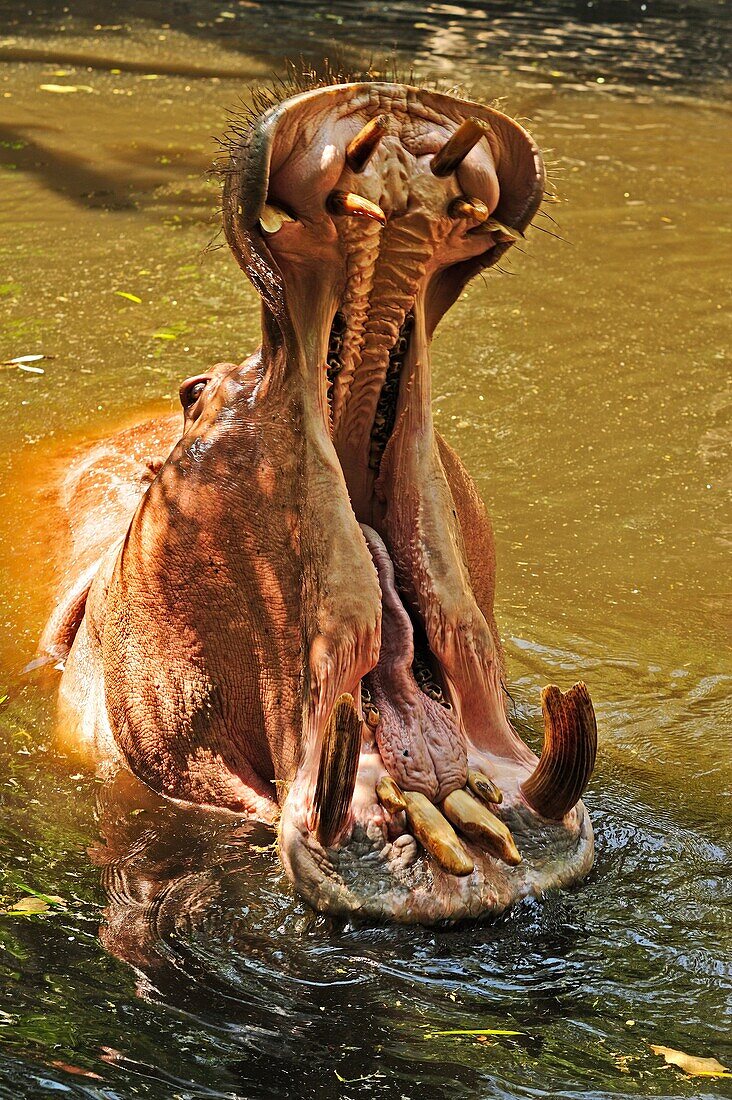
{"x": 310, "y": 535}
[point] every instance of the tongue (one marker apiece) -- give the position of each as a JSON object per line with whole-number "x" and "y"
{"x": 421, "y": 743}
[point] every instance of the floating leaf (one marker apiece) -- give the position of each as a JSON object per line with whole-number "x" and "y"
{"x": 689, "y": 1063}
{"x": 67, "y": 1067}
{"x": 130, "y": 297}
{"x": 65, "y": 88}
{"x": 34, "y": 905}
{"x": 473, "y": 1031}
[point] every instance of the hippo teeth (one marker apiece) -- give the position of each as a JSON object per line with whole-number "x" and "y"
{"x": 457, "y": 147}
{"x": 568, "y": 757}
{"x": 436, "y": 835}
{"x": 355, "y": 206}
{"x": 483, "y": 787}
{"x": 360, "y": 150}
{"x": 273, "y": 218}
{"x": 337, "y": 770}
{"x": 478, "y": 823}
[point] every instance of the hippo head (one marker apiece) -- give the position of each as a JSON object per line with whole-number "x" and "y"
{"x": 325, "y": 562}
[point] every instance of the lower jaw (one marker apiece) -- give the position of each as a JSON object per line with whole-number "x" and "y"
{"x": 377, "y": 871}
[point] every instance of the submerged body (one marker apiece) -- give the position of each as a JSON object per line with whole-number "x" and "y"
{"x": 290, "y": 608}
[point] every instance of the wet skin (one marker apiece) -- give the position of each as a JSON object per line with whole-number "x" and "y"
{"x": 301, "y": 606}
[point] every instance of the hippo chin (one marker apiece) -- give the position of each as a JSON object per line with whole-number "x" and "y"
{"x": 291, "y": 615}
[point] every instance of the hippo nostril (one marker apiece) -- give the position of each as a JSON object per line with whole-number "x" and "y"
{"x": 360, "y": 150}
{"x": 457, "y": 147}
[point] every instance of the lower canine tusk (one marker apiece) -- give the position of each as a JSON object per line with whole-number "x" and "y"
{"x": 272, "y": 218}
{"x": 436, "y": 834}
{"x": 473, "y": 819}
{"x": 355, "y": 206}
{"x": 568, "y": 756}
{"x": 457, "y": 147}
{"x": 337, "y": 771}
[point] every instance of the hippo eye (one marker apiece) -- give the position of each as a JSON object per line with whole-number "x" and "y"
{"x": 191, "y": 390}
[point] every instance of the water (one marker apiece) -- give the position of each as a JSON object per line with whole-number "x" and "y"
{"x": 589, "y": 397}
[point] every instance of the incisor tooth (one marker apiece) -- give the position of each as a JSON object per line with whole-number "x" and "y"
{"x": 436, "y": 834}
{"x": 272, "y": 218}
{"x": 373, "y": 717}
{"x": 473, "y": 819}
{"x": 483, "y": 787}
{"x": 389, "y": 795}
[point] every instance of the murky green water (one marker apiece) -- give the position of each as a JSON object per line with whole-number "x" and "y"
{"x": 588, "y": 395}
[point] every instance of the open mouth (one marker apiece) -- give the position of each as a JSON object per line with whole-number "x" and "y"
{"x": 360, "y": 212}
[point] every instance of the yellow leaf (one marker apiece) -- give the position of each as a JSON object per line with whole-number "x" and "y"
{"x": 474, "y": 1031}
{"x": 689, "y": 1063}
{"x": 31, "y": 905}
{"x": 61, "y": 88}
{"x": 128, "y": 296}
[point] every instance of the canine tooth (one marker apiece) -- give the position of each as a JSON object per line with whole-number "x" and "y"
{"x": 483, "y": 787}
{"x": 473, "y": 819}
{"x": 337, "y": 770}
{"x": 436, "y": 834}
{"x": 463, "y": 207}
{"x": 389, "y": 795}
{"x": 353, "y": 205}
{"x": 272, "y": 218}
{"x": 568, "y": 756}
{"x": 360, "y": 150}
{"x": 457, "y": 147}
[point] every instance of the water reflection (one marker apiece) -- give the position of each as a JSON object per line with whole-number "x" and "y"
{"x": 196, "y": 904}
{"x": 629, "y": 43}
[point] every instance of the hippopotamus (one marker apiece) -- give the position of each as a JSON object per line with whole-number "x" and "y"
{"x": 284, "y": 609}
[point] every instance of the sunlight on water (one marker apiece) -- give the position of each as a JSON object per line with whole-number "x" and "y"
{"x": 588, "y": 396}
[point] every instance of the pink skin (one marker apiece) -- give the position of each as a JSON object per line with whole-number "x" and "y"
{"x": 310, "y": 525}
